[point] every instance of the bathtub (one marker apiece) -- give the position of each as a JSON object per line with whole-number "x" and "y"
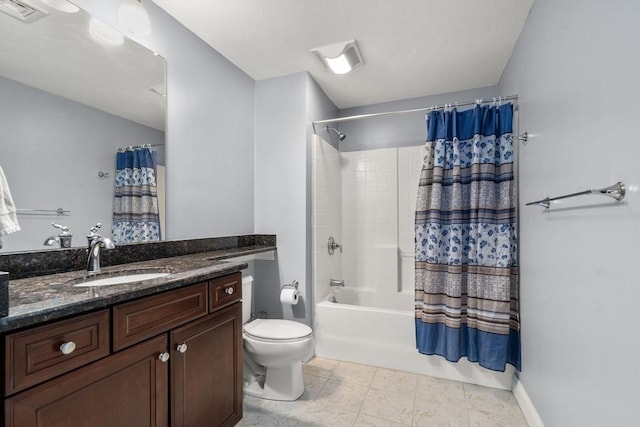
{"x": 353, "y": 331}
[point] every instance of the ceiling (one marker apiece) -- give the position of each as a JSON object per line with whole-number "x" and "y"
{"x": 411, "y": 48}
{"x": 57, "y": 54}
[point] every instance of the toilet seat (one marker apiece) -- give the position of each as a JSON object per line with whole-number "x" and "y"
{"x": 277, "y": 330}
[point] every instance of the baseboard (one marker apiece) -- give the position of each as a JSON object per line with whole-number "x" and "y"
{"x": 528, "y": 410}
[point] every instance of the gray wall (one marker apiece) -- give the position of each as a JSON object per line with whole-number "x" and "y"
{"x": 51, "y": 151}
{"x": 285, "y": 107}
{"x": 401, "y": 130}
{"x": 210, "y": 129}
{"x": 575, "y": 68}
{"x": 280, "y": 190}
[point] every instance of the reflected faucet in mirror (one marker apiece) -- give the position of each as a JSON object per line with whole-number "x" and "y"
{"x": 63, "y": 239}
{"x": 96, "y": 242}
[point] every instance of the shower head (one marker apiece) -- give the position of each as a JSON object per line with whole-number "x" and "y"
{"x": 341, "y": 136}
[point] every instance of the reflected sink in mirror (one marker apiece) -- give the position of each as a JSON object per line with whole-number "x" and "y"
{"x": 120, "y": 278}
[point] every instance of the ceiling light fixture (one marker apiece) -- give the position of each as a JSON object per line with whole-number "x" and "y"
{"x": 104, "y": 33}
{"x": 133, "y": 18}
{"x": 341, "y": 57}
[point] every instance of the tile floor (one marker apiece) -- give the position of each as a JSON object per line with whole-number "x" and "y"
{"x": 348, "y": 394}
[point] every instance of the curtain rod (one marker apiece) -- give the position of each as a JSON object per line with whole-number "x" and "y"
{"x": 414, "y": 110}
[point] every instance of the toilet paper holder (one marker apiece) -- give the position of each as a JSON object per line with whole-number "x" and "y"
{"x": 293, "y": 284}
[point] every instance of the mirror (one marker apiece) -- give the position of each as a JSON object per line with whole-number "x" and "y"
{"x": 68, "y": 101}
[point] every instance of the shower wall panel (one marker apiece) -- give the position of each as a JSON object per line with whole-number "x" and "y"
{"x": 326, "y": 188}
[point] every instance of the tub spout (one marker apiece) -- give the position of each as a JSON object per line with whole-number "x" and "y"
{"x": 335, "y": 282}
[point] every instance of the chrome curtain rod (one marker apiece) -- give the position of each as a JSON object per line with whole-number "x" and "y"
{"x": 415, "y": 110}
{"x": 131, "y": 147}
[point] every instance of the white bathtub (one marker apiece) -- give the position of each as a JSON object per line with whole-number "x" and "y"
{"x": 385, "y": 337}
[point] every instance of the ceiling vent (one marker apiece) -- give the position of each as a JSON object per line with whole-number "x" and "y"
{"x": 21, "y": 10}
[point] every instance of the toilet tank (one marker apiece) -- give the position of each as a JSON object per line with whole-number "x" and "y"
{"x": 247, "y": 288}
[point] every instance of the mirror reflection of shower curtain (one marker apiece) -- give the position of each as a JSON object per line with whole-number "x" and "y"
{"x": 135, "y": 205}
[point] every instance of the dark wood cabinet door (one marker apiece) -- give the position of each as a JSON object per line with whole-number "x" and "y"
{"x": 206, "y": 370}
{"x": 126, "y": 389}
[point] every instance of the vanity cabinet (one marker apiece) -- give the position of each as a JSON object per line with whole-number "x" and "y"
{"x": 175, "y": 358}
{"x": 129, "y": 388}
{"x": 206, "y": 377}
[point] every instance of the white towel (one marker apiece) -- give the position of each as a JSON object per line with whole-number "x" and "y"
{"x": 8, "y": 220}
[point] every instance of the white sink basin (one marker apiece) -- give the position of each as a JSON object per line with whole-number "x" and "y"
{"x": 119, "y": 280}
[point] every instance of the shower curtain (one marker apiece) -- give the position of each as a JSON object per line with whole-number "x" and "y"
{"x": 466, "y": 300}
{"x": 135, "y": 203}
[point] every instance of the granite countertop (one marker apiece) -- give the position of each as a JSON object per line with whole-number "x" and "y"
{"x": 39, "y": 299}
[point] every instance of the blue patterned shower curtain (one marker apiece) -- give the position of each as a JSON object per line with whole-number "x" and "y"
{"x": 135, "y": 203}
{"x": 466, "y": 301}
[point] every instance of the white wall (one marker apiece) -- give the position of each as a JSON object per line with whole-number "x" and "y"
{"x": 210, "y": 129}
{"x": 575, "y": 68}
{"x": 370, "y": 220}
{"x": 51, "y": 151}
{"x": 327, "y": 215}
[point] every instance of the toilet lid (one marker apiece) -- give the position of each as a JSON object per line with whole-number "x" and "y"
{"x": 277, "y": 329}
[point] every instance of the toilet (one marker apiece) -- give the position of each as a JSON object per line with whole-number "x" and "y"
{"x": 273, "y": 353}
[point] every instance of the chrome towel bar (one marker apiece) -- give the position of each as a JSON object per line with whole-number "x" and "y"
{"x": 615, "y": 191}
{"x": 58, "y": 211}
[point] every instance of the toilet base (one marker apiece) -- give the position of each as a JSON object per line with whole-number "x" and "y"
{"x": 277, "y": 384}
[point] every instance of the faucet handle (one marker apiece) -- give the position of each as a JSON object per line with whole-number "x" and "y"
{"x": 62, "y": 228}
{"x": 96, "y": 227}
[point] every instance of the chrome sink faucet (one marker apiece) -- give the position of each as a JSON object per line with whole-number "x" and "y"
{"x": 96, "y": 242}
{"x": 63, "y": 239}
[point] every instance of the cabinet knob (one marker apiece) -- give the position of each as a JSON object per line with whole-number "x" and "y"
{"x": 68, "y": 347}
{"x": 229, "y": 290}
{"x": 181, "y": 348}
{"x": 164, "y": 357}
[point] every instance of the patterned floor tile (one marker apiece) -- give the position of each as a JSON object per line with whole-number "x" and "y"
{"x": 504, "y": 419}
{"x": 320, "y": 367}
{"x": 354, "y": 373}
{"x": 343, "y": 396}
{"x": 432, "y": 392}
{"x": 388, "y": 379}
{"x": 368, "y": 421}
{"x": 436, "y": 415}
{"x": 348, "y": 394}
{"x": 389, "y": 405}
{"x": 489, "y": 400}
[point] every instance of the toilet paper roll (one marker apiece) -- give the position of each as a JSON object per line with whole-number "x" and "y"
{"x": 289, "y": 296}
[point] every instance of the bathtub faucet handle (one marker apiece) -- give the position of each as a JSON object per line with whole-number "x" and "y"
{"x": 334, "y": 282}
{"x": 332, "y": 246}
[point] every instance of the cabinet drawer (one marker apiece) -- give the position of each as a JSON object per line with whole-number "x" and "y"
{"x": 138, "y": 320}
{"x": 224, "y": 291}
{"x": 35, "y": 355}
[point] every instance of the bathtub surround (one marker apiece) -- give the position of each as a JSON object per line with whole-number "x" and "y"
{"x": 366, "y": 200}
{"x": 466, "y": 239}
